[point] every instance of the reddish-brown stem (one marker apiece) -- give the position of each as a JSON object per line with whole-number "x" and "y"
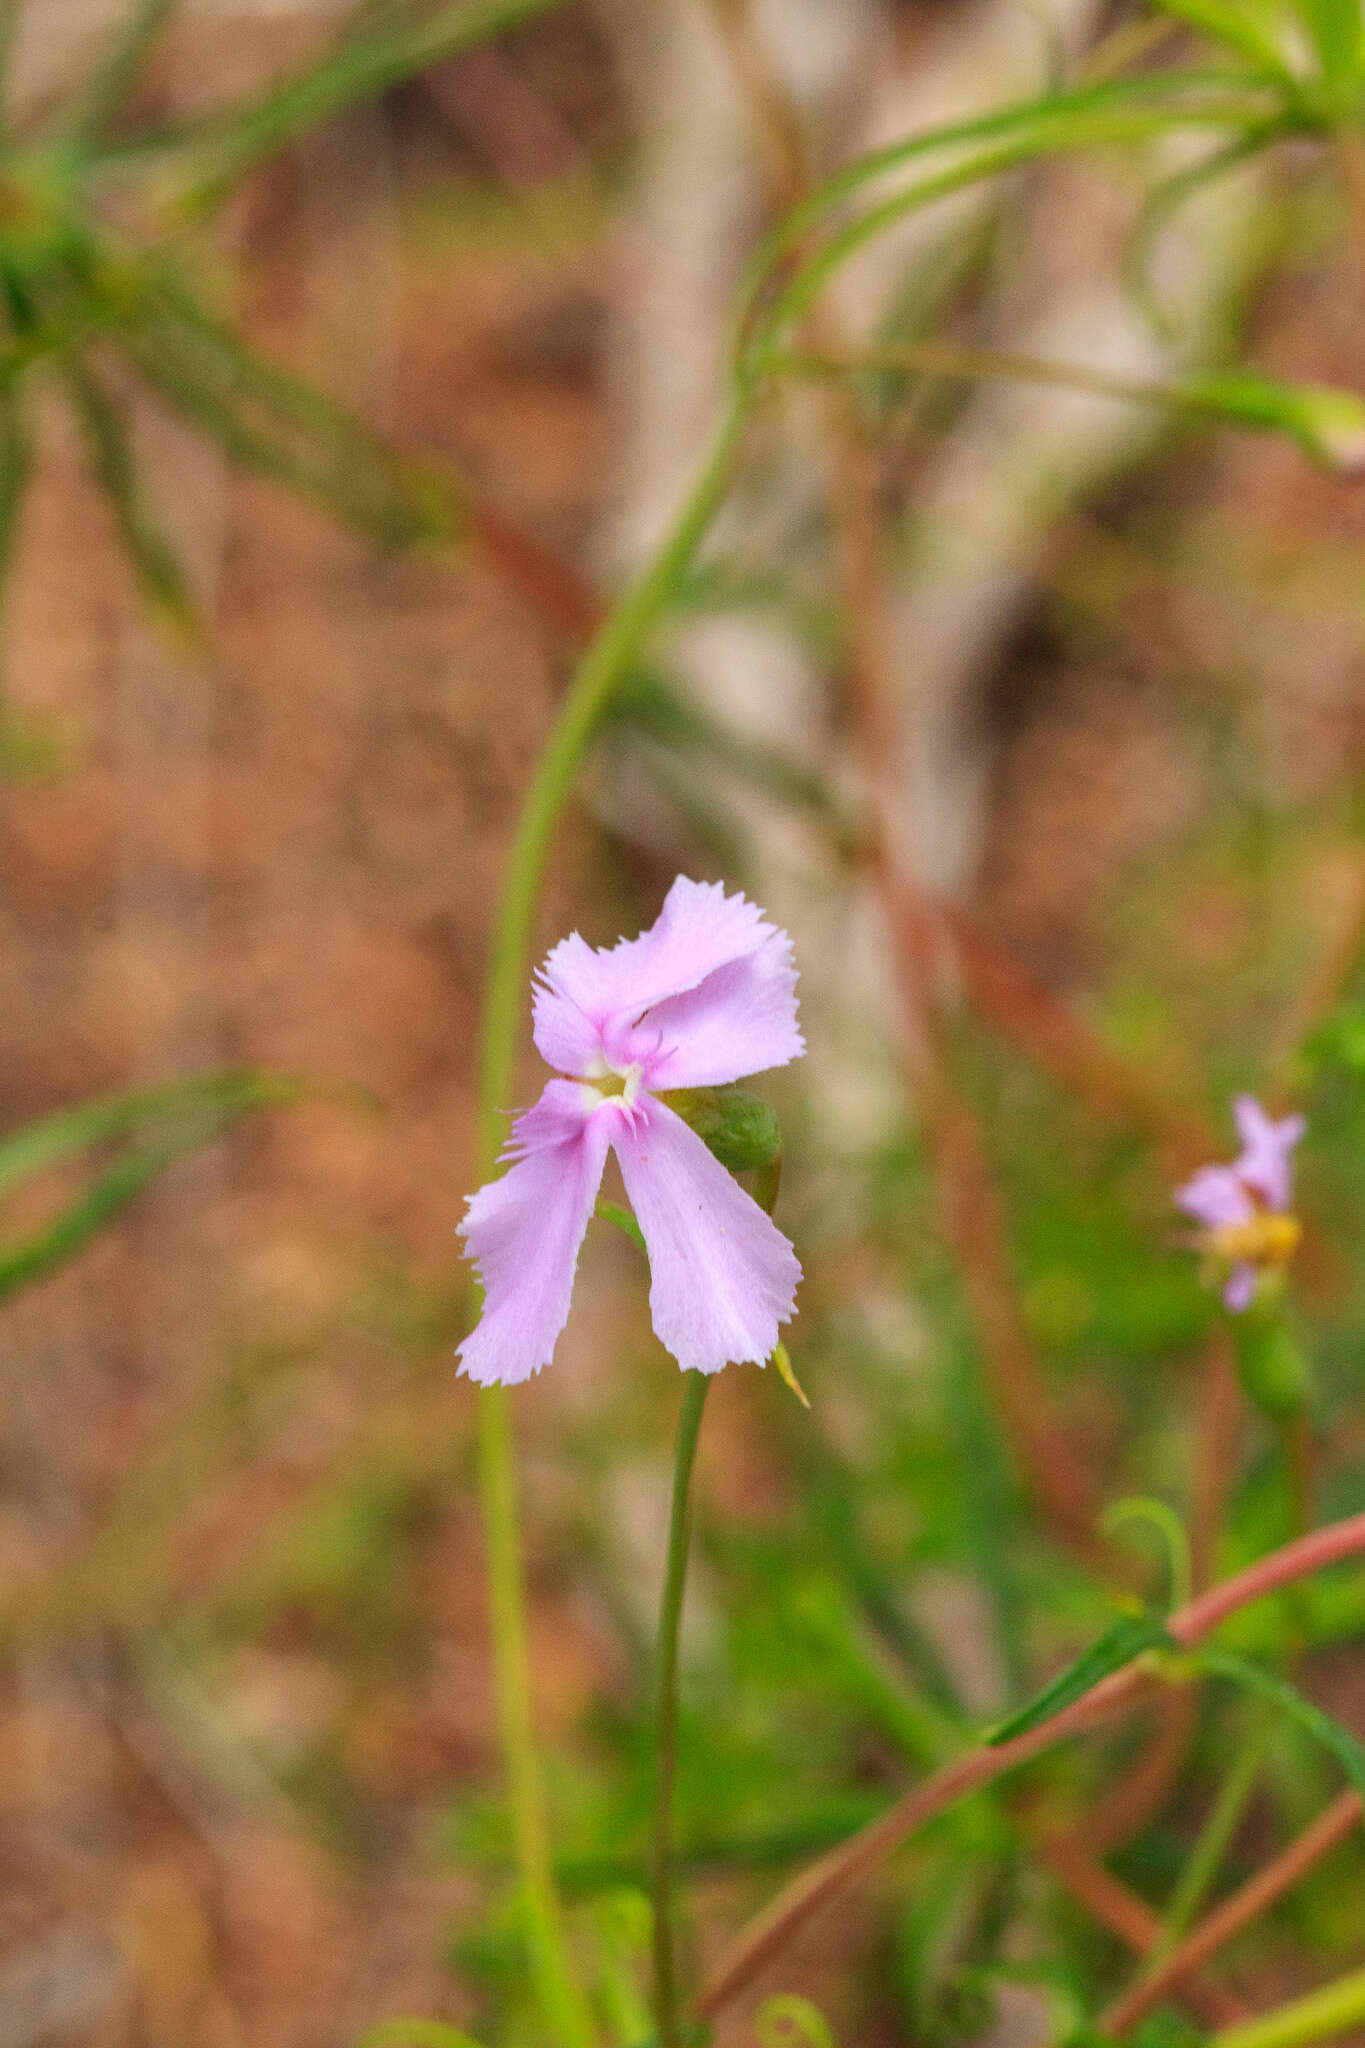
{"x": 1132, "y": 1919}
{"x": 563, "y": 598}
{"x": 772, "y": 1929}
{"x": 1143, "y": 1790}
{"x": 1332, "y": 1826}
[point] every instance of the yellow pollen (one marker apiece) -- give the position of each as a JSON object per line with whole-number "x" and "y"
{"x": 1266, "y": 1240}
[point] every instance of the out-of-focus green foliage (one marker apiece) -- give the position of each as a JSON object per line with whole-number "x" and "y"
{"x": 98, "y": 278}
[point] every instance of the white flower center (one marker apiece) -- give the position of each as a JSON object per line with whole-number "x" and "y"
{"x": 608, "y": 1083}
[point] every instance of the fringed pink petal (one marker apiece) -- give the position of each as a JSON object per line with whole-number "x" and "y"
{"x": 524, "y": 1232}
{"x": 724, "y": 1277}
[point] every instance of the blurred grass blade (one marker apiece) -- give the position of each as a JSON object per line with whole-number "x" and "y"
{"x": 415, "y": 2034}
{"x": 156, "y": 566}
{"x": 1256, "y": 1678}
{"x": 1338, "y": 30}
{"x": 1241, "y": 24}
{"x": 1166, "y": 199}
{"x": 83, "y": 120}
{"x": 268, "y": 421}
{"x": 1328, "y": 423}
{"x": 1335, "y": 2008}
{"x": 358, "y": 68}
{"x": 1042, "y": 130}
{"x": 29, "y": 1258}
{"x": 68, "y": 1131}
{"x": 1161, "y": 96}
{"x": 16, "y": 462}
{"x": 1122, "y": 1641}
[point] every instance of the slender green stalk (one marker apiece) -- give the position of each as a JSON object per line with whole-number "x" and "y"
{"x": 604, "y": 668}
{"x": 695, "y": 1387}
{"x": 1212, "y": 1844}
{"x": 561, "y": 1997}
{"x": 1334, "y": 2009}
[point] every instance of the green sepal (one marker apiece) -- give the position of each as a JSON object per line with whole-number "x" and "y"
{"x": 739, "y": 1129}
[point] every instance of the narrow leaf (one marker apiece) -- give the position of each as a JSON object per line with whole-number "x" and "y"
{"x": 415, "y": 2034}
{"x": 1256, "y": 1678}
{"x": 155, "y": 563}
{"x": 87, "y": 114}
{"x": 1339, "y": 31}
{"x": 1242, "y": 26}
{"x": 1126, "y": 1638}
{"x": 357, "y": 68}
{"x": 53, "y": 1138}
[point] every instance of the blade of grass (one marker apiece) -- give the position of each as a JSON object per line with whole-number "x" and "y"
{"x": 157, "y": 568}
{"x": 54, "y": 1138}
{"x": 31, "y": 1258}
{"x": 81, "y": 124}
{"x": 1256, "y": 1678}
{"x": 1123, "y": 1641}
{"x": 358, "y": 67}
{"x": 1238, "y": 26}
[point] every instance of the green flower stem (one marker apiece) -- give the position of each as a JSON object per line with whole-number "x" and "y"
{"x": 695, "y": 1388}
{"x": 1335, "y": 2009}
{"x": 561, "y": 1997}
{"x": 605, "y": 666}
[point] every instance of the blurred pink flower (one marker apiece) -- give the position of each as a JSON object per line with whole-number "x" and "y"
{"x": 1244, "y": 1208}
{"x": 706, "y": 996}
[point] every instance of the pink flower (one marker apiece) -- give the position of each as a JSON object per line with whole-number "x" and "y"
{"x": 1244, "y": 1208}
{"x": 706, "y": 996}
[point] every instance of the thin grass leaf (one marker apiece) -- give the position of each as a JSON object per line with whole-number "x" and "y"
{"x": 1256, "y": 1678}
{"x": 348, "y": 473}
{"x": 1046, "y": 132}
{"x": 1128, "y": 1637}
{"x": 1166, "y": 199}
{"x": 51, "y": 1139}
{"x": 357, "y": 68}
{"x": 415, "y": 2034}
{"x": 82, "y": 122}
{"x": 1163, "y": 94}
{"x": 31, "y": 1258}
{"x": 156, "y": 565}
{"x": 1240, "y": 24}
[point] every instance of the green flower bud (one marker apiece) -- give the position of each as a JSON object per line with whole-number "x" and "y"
{"x": 740, "y": 1129}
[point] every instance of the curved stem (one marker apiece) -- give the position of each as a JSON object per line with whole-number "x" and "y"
{"x": 603, "y": 668}
{"x": 695, "y": 1388}
{"x": 773, "y": 1928}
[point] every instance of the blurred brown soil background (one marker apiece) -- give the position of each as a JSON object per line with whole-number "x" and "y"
{"x": 289, "y": 855}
